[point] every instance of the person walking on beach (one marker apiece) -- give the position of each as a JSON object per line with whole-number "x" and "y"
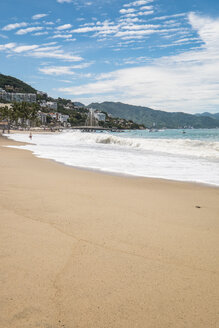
{"x": 30, "y": 135}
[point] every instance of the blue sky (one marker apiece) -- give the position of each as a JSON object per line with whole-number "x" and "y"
{"x": 163, "y": 54}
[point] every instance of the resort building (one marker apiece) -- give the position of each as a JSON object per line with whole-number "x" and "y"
{"x": 17, "y": 97}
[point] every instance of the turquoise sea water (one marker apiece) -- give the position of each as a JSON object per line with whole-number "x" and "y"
{"x": 193, "y": 134}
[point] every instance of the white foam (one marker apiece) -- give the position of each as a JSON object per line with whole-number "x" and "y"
{"x": 177, "y": 159}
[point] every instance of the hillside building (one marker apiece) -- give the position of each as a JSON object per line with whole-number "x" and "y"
{"x": 49, "y": 104}
{"x": 41, "y": 93}
{"x": 43, "y": 117}
{"x": 59, "y": 117}
{"x": 63, "y": 118}
{"x": 17, "y": 97}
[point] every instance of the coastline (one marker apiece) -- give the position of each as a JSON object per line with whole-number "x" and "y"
{"x": 81, "y": 248}
{"x": 102, "y": 168}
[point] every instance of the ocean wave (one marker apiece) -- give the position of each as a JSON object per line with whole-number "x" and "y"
{"x": 185, "y": 147}
{"x": 176, "y": 159}
{"x": 182, "y": 147}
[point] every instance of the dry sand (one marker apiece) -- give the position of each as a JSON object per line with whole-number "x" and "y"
{"x": 84, "y": 249}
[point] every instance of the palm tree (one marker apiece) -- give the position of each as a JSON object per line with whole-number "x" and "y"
{"x": 26, "y": 112}
{"x": 16, "y": 112}
{"x": 34, "y": 108}
{"x": 5, "y": 114}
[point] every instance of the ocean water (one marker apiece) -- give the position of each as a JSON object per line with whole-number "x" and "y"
{"x": 169, "y": 154}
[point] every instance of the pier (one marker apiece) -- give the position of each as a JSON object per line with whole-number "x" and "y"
{"x": 92, "y": 128}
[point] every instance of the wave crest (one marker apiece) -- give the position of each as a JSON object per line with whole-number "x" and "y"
{"x": 187, "y": 147}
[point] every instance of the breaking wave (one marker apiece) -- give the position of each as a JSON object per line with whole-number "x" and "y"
{"x": 185, "y": 147}
{"x": 175, "y": 158}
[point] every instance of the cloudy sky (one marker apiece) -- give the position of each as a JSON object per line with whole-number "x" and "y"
{"x": 163, "y": 54}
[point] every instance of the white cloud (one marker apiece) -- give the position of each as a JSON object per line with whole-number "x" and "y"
{"x": 65, "y": 81}
{"x": 7, "y": 46}
{"x": 208, "y": 29}
{"x": 48, "y": 50}
{"x": 20, "y": 49}
{"x": 135, "y": 33}
{"x": 70, "y": 40}
{"x": 127, "y": 11}
{"x": 146, "y": 8}
{"x": 28, "y": 30}
{"x": 169, "y": 16}
{"x": 144, "y": 13}
{"x": 49, "y": 43}
{"x": 64, "y": 27}
{"x": 64, "y": 36}
{"x": 59, "y": 54}
{"x": 138, "y": 3}
{"x": 185, "y": 82}
{"x": 140, "y": 26}
{"x": 38, "y": 16}
{"x": 121, "y": 28}
{"x": 57, "y": 70}
{"x": 83, "y": 65}
{"x": 40, "y": 33}
{"x": 63, "y": 70}
{"x": 101, "y": 28}
{"x": 10, "y": 27}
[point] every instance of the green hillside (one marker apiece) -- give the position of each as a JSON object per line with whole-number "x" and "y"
{"x": 215, "y": 115}
{"x": 150, "y": 117}
{"x": 18, "y": 85}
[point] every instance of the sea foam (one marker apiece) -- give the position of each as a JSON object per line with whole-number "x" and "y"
{"x": 182, "y": 159}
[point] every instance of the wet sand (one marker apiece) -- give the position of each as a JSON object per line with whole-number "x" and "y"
{"x": 86, "y": 249}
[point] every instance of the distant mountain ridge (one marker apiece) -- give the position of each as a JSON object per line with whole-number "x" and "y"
{"x": 150, "y": 117}
{"x": 18, "y": 85}
{"x": 215, "y": 115}
{"x": 79, "y": 104}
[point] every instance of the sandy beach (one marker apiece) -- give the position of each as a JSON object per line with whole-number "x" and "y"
{"x": 82, "y": 249}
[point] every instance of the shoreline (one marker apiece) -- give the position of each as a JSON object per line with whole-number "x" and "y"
{"x": 126, "y": 175}
{"x": 89, "y": 249}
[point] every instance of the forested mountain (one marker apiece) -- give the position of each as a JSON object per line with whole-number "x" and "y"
{"x": 215, "y": 116}
{"x": 17, "y": 85}
{"x": 79, "y": 104}
{"x": 157, "y": 118}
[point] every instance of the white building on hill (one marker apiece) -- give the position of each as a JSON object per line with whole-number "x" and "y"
{"x": 49, "y": 104}
{"x": 17, "y": 97}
